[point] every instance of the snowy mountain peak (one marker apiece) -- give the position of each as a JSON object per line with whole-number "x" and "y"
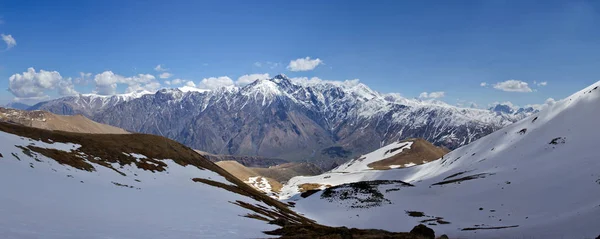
{"x": 280, "y": 77}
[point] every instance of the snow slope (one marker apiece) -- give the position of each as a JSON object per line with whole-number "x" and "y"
{"x": 537, "y": 178}
{"x": 44, "y": 199}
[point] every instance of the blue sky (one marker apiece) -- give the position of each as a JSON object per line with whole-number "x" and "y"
{"x": 408, "y": 47}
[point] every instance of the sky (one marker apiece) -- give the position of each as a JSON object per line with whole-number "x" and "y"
{"x": 468, "y": 53}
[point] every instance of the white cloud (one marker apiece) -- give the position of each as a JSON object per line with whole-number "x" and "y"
{"x": 432, "y": 95}
{"x": 106, "y": 83}
{"x": 550, "y": 101}
{"x": 165, "y": 75}
{"x": 543, "y": 83}
{"x": 84, "y": 78}
{"x": 9, "y": 40}
{"x": 159, "y": 67}
{"x": 177, "y": 81}
{"x": 212, "y": 83}
{"x": 304, "y": 64}
{"x": 257, "y": 64}
{"x": 513, "y": 86}
{"x": 483, "y": 84}
{"x": 34, "y": 85}
{"x": 190, "y": 84}
{"x": 247, "y": 79}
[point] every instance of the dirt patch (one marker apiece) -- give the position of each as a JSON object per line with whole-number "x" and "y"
{"x": 363, "y": 194}
{"x": 558, "y": 140}
{"x": 310, "y": 186}
{"x": 415, "y": 214}
{"x": 296, "y": 231}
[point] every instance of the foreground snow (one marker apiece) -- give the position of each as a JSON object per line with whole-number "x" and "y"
{"x": 537, "y": 178}
{"x": 43, "y": 199}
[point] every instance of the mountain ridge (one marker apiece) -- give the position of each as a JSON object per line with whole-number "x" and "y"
{"x": 290, "y": 119}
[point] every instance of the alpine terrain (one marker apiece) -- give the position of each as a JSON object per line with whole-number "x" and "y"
{"x": 295, "y": 120}
{"x": 58, "y": 184}
{"x": 537, "y": 178}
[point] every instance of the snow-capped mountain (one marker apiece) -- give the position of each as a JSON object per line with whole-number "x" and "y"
{"x": 290, "y": 119}
{"x": 537, "y": 178}
{"x": 86, "y": 104}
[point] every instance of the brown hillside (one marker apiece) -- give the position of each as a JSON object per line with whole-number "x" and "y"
{"x": 421, "y": 150}
{"x": 244, "y": 173}
{"x": 49, "y": 121}
{"x": 286, "y": 171}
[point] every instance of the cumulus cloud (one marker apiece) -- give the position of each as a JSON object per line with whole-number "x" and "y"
{"x": 9, "y": 40}
{"x": 432, "y": 95}
{"x": 165, "y": 75}
{"x": 247, "y": 79}
{"x": 304, "y": 64}
{"x": 483, "y": 84}
{"x": 513, "y": 86}
{"x": 212, "y": 83}
{"x": 190, "y": 84}
{"x": 543, "y": 83}
{"x": 34, "y": 85}
{"x": 175, "y": 82}
{"x": 106, "y": 83}
{"x": 160, "y": 68}
{"x": 84, "y": 78}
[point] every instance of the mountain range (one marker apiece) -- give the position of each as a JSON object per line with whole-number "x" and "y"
{"x": 296, "y": 120}
{"x": 536, "y": 178}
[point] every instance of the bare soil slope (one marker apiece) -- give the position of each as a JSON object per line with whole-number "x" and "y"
{"x": 421, "y": 151}
{"x": 286, "y": 171}
{"x": 244, "y": 173}
{"x": 49, "y": 121}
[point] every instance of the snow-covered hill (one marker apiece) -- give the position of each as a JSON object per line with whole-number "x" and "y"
{"x": 537, "y": 178}
{"x": 291, "y": 119}
{"x": 67, "y": 185}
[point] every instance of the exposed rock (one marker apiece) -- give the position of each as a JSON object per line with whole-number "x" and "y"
{"x": 424, "y": 231}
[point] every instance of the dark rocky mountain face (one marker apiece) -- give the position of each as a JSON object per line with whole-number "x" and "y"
{"x": 323, "y": 123}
